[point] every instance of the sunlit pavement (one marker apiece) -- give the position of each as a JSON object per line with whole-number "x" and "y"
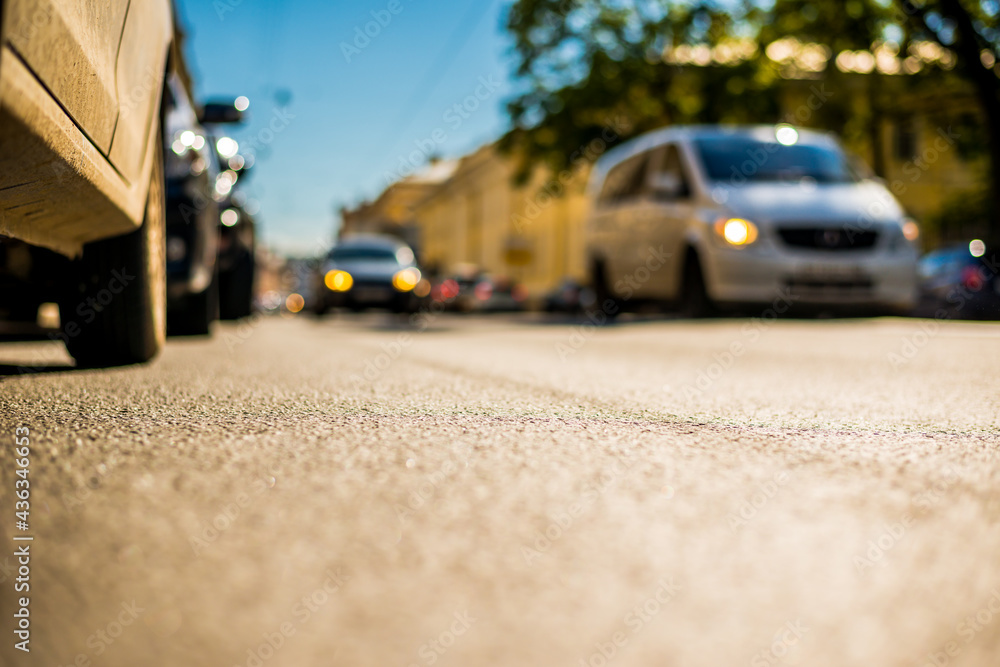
{"x": 495, "y": 491}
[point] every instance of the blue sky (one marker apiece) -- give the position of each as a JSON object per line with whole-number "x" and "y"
{"x": 347, "y": 116}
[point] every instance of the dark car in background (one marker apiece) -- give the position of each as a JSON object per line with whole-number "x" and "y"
{"x": 960, "y": 281}
{"x": 190, "y": 171}
{"x": 369, "y": 271}
{"x": 471, "y": 291}
{"x": 237, "y": 258}
{"x": 236, "y": 226}
{"x": 197, "y": 186}
{"x": 569, "y": 296}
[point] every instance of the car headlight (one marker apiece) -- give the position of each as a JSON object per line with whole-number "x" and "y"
{"x": 737, "y": 232}
{"x": 911, "y": 230}
{"x": 406, "y": 280}
{"x": 338, "y": 281}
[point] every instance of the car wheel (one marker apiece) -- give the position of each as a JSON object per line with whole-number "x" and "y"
{"x": 195, "y": 315}
{"x": 118, "y": 293}
{"x": 606, "y": 301}
{"x": 695, "y": 301}
{"x": 236, "y": 289}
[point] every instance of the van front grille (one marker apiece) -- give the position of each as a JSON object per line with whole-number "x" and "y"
{"x": 828, "y": 238}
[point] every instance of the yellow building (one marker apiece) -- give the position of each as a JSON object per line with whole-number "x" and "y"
{"x": 533, "y": 234}
{"x": 393, "y": 212}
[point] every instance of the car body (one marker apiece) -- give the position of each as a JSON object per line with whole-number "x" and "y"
{"x": 707, "y": 216}
{"x": 369, "y": 271}
{"x": 192, "y": 230}
{"x": 569, "y": 296}
{"x": 237, "y": 259}
{"x": 492, "y": 294}
{"x": 471, "y": 291}
{"x": 960, "y": 282}
{"x": 81, "y": 166}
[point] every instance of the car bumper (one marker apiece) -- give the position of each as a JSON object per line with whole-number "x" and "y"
{"x": 376, "y": 295}
{"x": 875, "y": 278}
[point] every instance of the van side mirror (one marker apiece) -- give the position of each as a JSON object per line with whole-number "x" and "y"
{"x": 666, "y": 185}
{"x": 220, "y": 113}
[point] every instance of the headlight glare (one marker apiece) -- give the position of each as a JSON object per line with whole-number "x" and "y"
{"x": 338, "y": 281}
{"x": 736, "y": 232}
{"x": 406, "y": 280}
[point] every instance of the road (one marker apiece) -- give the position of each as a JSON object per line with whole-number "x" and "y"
{"x": 514, "y": 492}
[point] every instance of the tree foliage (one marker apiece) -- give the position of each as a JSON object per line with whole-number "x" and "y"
{"x": 580, "y": 63}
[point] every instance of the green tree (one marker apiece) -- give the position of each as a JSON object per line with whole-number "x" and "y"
{"x": 970, "y": 28}
{"x": 580, "y": 62}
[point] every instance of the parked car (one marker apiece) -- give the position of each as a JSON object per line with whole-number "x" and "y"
{"x": 960, "y": 282}
{"x": 237, "y": 260}
{"x": 471, "y": 291}
{"x": 569, "y": 296}
{"x": 81, "y": 168}
{"x": 706, "y": 216}
{"x": 193, "y": 214}
{"x": 497, "y": 295}
{"x": 368, "y": 271}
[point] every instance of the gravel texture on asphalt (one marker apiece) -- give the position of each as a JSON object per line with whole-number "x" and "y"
{"x": 355, "y": 491}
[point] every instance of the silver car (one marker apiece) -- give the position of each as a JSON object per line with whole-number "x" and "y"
{"x": 724, "y": 216}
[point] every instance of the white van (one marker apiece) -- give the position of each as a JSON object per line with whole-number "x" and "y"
{"x": 708, "y": 216}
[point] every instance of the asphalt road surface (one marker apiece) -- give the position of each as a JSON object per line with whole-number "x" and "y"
{"x": 358, "y": 491}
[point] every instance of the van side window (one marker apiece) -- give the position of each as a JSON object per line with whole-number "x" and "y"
{"x": 667, "y": 178}
{"x": 625, "y": 181}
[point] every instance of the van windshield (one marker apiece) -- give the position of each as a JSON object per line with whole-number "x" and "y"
{"x": 363, "y": 253}
{"x": 741, "y": 159}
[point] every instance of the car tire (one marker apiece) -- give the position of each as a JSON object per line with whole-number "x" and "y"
{"x": 118, "y": 290}
{"x": 602, "y": 292}
{"x": 695, "y": 301}
{"x": 194, "y": 317}
{"x": 236, "y": 289}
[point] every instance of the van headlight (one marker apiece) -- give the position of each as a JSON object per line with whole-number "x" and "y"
{"x": 338, "y": 281}
{"x": 737, "y": 232}
{"x": 406, "y": 280}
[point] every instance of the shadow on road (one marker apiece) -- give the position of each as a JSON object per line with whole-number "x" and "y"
{"x": 12, "y": 370}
